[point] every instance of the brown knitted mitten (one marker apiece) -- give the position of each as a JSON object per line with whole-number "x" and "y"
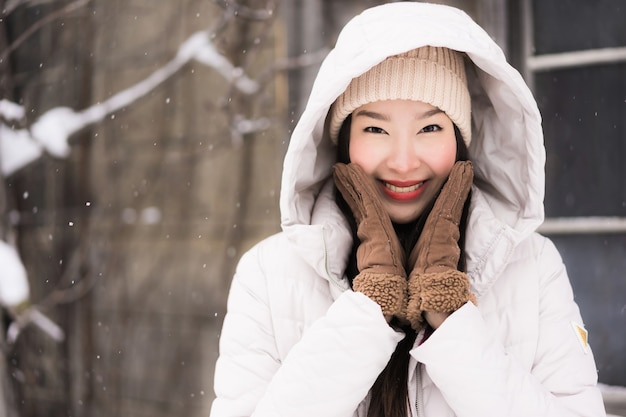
{"x": 380, "y": 258}
{"x": 435, "y": 284}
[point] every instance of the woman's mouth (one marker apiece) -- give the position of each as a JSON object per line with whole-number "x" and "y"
{"x": 403, "y": 191}
{"x": 397, "y": 189}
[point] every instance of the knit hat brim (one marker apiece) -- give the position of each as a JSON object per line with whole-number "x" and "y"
{"x": 433, "y": 75}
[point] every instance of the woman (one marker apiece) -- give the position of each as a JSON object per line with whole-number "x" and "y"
{"x": 394, "y": 289}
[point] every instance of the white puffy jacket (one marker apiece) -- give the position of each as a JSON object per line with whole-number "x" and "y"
{"x": 298, "y": 342}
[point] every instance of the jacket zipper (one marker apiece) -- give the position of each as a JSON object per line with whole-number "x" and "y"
{"x": 419, "y": 403}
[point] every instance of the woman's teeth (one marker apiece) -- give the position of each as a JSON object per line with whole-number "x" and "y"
{"x": 403, "y": 189}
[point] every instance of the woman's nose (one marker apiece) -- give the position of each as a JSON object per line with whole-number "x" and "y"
{"x": 403, "y": 155}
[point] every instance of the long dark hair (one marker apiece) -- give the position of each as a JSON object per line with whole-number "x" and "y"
{"x": 389, "y": 395}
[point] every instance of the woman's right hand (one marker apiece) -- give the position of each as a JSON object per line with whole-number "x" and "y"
{"x": 380, "y": 257}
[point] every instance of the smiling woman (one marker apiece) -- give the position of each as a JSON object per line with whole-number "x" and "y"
{"x": 399, "y": 285}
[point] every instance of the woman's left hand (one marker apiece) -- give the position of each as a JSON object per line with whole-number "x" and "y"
{"x": 436, "y": 286}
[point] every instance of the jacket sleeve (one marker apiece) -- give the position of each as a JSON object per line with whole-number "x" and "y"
{"x": 478, "y": 378}
{"x": 327, "y": 372}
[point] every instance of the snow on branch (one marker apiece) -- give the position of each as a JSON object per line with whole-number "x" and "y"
{"x": 52, "y": 130}
{"x": 15, "y": 294}
{"x": 241, "y": 126}
{"x": 14, "y": 288}
{"x": 11, "y": 111}
{"x": 33, "y": 316}
{"x": 199, "y": 47}
{"x": 17, "y": 149}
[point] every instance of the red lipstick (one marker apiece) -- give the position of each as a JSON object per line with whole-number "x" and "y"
{"x": 403, "y": 190}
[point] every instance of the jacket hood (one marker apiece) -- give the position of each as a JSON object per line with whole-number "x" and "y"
{"x": 507, "y": 140}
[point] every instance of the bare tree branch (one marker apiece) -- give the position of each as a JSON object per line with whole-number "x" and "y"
{"x": 41, "y": 23}
{"x": 246, "y": 12}
{"x": 288, "y": 64}
{"x": 32, "y": 315}
{"x": 14, "y": 4}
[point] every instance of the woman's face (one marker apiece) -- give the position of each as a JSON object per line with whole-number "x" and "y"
{"x": 408, "y": 149}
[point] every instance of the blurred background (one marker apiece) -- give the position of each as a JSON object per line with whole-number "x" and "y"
{"x": 141, "y": 144}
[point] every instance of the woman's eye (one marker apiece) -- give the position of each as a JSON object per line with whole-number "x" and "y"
{"x": 431, "y": 128}
{"x": 374, "y": 129}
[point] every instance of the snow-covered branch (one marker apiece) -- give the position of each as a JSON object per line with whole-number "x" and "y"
{"x": 14, "y": 289}
{"x": 200, "y": 48}
{"x": 15, "y": 293}
{"x": 53, "y": 129}
{"x": 33, "y": 316}
{"x": 242, "y": 126}
{"x": 17, "y": 149}
{"x": 10, "y": 111}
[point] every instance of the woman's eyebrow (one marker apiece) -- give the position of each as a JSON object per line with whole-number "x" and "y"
{"x": 380, "y": 116}
{"x": 372, "y": 114}
{"x": 429, "y": 113}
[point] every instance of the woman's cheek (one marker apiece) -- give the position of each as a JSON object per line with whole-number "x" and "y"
{"x": 443, "y": 159}
{"x": 363, "y": 155}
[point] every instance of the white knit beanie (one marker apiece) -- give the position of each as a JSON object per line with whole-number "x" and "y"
{"x": 433, "y": 75}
